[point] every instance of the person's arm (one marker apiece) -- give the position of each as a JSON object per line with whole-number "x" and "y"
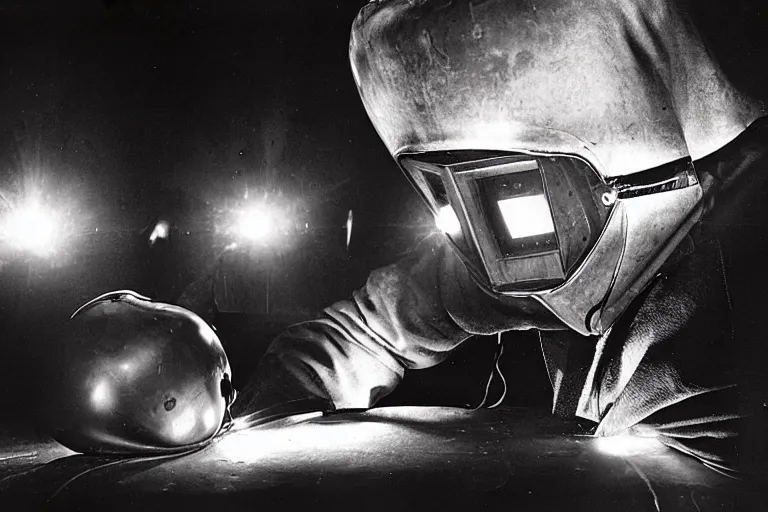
{"x": 356, "y": 352}
{"x": 409, "y": 315}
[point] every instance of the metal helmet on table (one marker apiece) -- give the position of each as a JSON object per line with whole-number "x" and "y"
{"x": 139, "y": 377}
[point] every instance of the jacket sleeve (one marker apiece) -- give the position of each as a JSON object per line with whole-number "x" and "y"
{"x": 409, "y": 315}
{"x": 356, "y": 351}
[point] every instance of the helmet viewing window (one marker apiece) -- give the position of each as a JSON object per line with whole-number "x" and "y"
{"x": 531, "y": 219}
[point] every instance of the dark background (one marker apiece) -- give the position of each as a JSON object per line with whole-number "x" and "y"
{"x": 127, "y": 112}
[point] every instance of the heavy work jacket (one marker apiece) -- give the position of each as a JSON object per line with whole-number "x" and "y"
{"x": 685, "y": 362}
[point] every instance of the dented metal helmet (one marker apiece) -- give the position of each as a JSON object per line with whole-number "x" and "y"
{"x": 138, "y": 376}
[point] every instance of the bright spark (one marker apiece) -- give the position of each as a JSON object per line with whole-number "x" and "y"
{"x": 447, "y": 221}
{"x": 256, "y": 223}
{"x": 626, "y": 445}
{"x": 32, "y": 228}
{"x": 161, "y": 231}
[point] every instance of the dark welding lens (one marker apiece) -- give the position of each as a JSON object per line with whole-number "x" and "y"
{"x": 435, "y": 184}
{"x": 426, "y": 177}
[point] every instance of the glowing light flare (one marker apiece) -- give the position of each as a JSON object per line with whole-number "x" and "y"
{"x": 349, "y": 227}
{"x": 258, "y": 444}
{"x": 162, "y": 230}
{"x": 33, "y": 228}
{"x": 447, "y": 221}
{"x": 627, "y": 445}
{"x": 527, "y": 216}
{"x": 257, "y": 223}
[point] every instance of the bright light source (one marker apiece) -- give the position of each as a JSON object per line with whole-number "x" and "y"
{"x": 256, "y": 223}
{"x": 31, "y": 228}
{"x": 161, "y": 231}
{"x": 447, "y": 221}
{"x": 526, "y": 216}
{"x": 349, "y": 227}
{"x": 626, "y": 445}
{"x": 266, "y": 443}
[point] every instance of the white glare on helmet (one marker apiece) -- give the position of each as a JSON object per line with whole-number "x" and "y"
{"x": 447, "y": 221}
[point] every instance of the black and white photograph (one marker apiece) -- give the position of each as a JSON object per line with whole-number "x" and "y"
{"x": 384, "y": 255}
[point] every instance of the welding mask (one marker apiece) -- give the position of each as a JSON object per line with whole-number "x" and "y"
{"x": 552, "y": 151}
{"x": 550, "y": 227}
{"x": 136, "y": 376}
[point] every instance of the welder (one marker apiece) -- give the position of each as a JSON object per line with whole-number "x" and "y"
{"x": 599, "y": 180}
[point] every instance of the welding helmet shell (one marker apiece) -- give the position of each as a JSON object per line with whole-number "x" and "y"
{"x": 136, "y": 376}
{"x": 556, "y": 142}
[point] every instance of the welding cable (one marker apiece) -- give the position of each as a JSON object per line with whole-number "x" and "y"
{"x": 125, "y": 461}
{"x": 291, "y": 411}
{"x": 226, "y": 425}
{"x": 501, "y": 374}
{"x": 494, "y": 370}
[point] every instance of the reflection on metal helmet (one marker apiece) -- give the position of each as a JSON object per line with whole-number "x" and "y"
{"x": 139, "y": 376}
